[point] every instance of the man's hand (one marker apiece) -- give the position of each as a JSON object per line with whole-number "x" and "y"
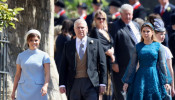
{"x": 102, "y": 89}
{"x": 62, "y": 90}
{"x": 125, "y": 87}
{"x": 115, "y": 68}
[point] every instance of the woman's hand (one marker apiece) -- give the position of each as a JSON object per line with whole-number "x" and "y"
{"x": 13, "y": 95}
{"x": 110, "y": 52}
{"x": 167, "y": 87}
{"x": 125, "y": 87}
{"x": 112, "y": 58}
{"x": 44, "y": 90}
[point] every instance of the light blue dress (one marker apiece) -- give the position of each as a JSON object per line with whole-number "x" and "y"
{"x": 32, "y": 75}
{"x": 147, "y": 83}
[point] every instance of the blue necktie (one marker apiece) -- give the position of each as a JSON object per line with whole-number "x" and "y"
{"x": 81, "y": 51}
{"x": 132, "y": 34}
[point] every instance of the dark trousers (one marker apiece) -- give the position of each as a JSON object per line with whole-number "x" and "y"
{"x": 117, "y": 86}
{"x": 83, "y": 89}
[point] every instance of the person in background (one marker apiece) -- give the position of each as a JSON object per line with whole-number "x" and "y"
{"x": 81, "y": 9}
{"x": 32, "y": 70}
{"x": 60, "y": 13}
{"x": 171, "y": 42}
{"x": 83, "y": 71}
{"x": 139, "y": 21}
{"x": 151, "y": 18}
{"x": 65, "y": 36}
{"x": 160, "y": 32}
{"x": 126, "y": 35}
{"x": 147, "y": 82}
{"x": 165, "y": 9}
{"x": 100, "y": 31}
{"x": 139, "y": 10}
{"x": 171, "y": 34}
{"x": 97, "y": 5}
{"x": 114, "y": 10}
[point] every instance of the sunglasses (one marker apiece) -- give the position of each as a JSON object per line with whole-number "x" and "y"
{"x": 101, "y": 18}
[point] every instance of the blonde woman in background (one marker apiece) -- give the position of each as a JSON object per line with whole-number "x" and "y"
{"x": 100, "y": 32}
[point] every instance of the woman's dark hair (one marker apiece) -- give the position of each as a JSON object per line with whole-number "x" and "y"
{"x": 32, "y": 35}
{"x": 153, "y": 16}
{"x": 67, "y": 27}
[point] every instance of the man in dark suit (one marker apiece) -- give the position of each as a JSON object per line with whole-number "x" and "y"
{"x": 126, "y": 35}
{"x": 165, "y": 9}
{"x": 139, "y": 10}
{"x": 81, "y": 9}
{"x": 60, "y": 14}
{"x": 114, "y": 8}
{"x": 83, "y": 71}
{"x": 96, "y": 4}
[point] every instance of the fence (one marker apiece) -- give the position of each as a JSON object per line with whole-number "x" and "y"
{"x": 3, "y": 65}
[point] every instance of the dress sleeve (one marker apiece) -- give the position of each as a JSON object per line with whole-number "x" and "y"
{"x": 164, "y": 73}
{"x": 131, "y": 69}
{"x": 46, "y": 58}
{"x": 18, "y": 60}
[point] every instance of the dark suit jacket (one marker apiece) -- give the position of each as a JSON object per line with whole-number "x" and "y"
{"x": 60, "y": 41}
{"x": 106, "y": 44}
{"x": 96, "y": 64}
{"x": 59, "y": 21}
{"x": 89, "y": 20}
{"x": 167, "y": 14}
{"x": 123, "y": 44}
{"x": 139, "y": 13}
{"x": 171, "y": 43}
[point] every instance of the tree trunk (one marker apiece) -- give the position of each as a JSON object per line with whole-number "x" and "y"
{"x": 37, "y": 14}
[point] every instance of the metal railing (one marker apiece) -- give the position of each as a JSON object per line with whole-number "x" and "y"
{"x": 3, "y": 65}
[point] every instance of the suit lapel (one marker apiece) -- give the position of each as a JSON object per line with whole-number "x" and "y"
{"x": 87, "y": 48}
{"x": 73, "y": 50}
{"x": 128, "y": 32}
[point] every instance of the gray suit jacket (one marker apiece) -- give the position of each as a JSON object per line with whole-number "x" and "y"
{"x": 96, "y": 64}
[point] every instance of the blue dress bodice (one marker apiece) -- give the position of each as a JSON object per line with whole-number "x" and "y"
{"x": 147, "y": 81}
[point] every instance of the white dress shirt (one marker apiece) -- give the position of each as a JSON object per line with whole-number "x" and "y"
{"x": 165, "y": 7}
{"x": 79, "y": 41}
{"x": 135, "y": 31}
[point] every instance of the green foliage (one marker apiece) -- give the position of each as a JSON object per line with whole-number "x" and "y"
{"x": 7, "y": 15}
{"x": 71, "y": 7}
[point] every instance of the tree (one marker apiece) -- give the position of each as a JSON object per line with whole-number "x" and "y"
{"x": 7, "y": 16}
{"x": 38, "y": 14}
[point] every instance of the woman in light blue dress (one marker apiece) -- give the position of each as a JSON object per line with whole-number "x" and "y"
{"x": 32, "y": 71}
{"x": 148, "y": 81}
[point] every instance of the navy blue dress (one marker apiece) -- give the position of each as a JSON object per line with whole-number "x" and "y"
{"x": 147, "y": 83}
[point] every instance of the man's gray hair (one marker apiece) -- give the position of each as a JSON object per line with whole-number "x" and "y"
{"x": 126, "y": 7}
{"x": 80, "y": 21}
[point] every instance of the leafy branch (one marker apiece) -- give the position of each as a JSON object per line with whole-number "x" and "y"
{"x": 7, "y": 15}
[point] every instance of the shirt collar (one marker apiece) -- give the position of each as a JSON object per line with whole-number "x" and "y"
{"x": 165, "y": 7}
{"x": 83, "y": 40}
{"x": 130, "y": 23}
{"x": 137, "y": 3}
{"x": 60, "y": 12}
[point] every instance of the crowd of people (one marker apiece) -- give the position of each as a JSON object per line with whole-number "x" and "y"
{"x": 127, "y": 55}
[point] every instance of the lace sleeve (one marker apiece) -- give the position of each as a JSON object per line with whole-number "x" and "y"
{"x": 131, "y": 68}
{"x": 164, "y": 73}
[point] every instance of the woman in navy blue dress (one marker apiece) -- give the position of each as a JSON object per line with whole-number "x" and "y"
{"x": 149, "y": 81}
